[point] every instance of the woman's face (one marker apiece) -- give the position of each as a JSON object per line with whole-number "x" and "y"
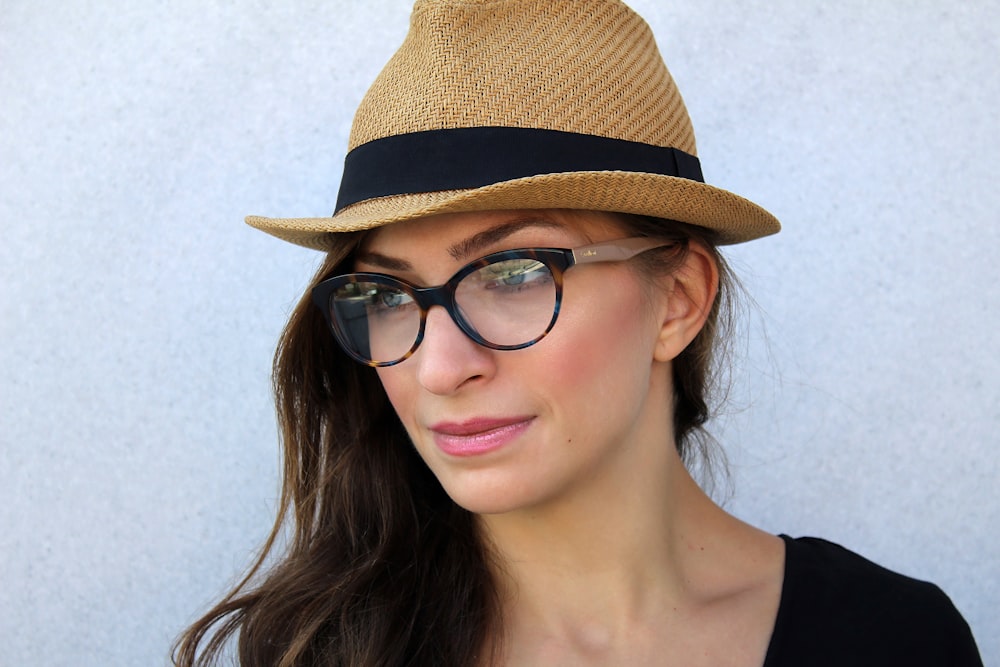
{"x": 514, "y": 430}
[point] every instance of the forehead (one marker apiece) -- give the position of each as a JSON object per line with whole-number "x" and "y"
{"x": 442, "y": 231}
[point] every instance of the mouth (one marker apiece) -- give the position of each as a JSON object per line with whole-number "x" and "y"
{"x": 478, "y": 436}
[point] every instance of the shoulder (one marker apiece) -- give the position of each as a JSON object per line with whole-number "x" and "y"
{"x": 840, "y": 608}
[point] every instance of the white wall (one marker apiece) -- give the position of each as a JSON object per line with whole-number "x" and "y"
{"x": 138, "y": 314}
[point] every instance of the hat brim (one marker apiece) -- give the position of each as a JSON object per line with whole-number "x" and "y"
{"x": 734, "y": 218}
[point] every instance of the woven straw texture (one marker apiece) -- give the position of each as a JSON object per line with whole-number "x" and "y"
{"x": 585, "y": 66}
{"x": 578, "y": 66}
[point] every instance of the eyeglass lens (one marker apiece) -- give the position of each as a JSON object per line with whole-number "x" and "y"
{"x": 506, "y": 303}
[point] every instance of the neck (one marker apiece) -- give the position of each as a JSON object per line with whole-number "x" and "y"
{"x": 588, "y": 557}
{"x": 599, "y": 575}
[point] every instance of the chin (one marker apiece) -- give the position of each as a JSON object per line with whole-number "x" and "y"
{"x": 492, "y": 496}
{"x": 488, "y": 503}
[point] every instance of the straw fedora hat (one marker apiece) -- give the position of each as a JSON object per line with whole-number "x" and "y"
{"x": 503, "y": 104}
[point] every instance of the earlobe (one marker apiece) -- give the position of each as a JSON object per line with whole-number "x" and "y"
{"x": 688, "y": 302}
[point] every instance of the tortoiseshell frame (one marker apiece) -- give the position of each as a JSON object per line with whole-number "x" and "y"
{"x": 557, "y": 260}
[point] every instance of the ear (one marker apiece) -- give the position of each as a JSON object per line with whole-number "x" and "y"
{"x": 687, "y": 302}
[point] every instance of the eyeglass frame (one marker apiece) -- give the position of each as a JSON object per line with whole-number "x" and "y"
{"x": 556, "y": 260}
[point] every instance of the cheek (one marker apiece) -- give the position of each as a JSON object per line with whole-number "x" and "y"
{"x": 604, "y": 339}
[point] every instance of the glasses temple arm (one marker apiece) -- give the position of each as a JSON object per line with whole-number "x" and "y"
{"x": 616, "y": 251}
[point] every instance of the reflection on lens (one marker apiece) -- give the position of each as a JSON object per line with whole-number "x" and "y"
{"x": 509, "y": 302}
{"x": 379, "y": 321}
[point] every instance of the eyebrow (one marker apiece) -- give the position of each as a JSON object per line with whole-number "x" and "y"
{"x": 476, "y": 243}
{"x": 465, "y": 248}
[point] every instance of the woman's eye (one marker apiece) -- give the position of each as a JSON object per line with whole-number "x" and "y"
{"x": 386, "y": 300}
{"x": 513, "y": 278}
{"x": 391, "y": 299}
{"x": 514, "y": 273}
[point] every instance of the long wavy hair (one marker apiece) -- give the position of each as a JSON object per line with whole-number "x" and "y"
{"x": 381, "y": 567}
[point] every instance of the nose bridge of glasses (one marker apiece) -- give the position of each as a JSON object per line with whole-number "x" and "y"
{"x": 443, "y": 296}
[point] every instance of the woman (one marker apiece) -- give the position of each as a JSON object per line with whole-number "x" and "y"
{"x": 485, "y": 461}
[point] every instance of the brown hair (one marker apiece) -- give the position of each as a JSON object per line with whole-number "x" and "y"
{"x": 382, "y": 568}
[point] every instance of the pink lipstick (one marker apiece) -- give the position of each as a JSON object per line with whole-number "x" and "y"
{"x": 478, "y": 436}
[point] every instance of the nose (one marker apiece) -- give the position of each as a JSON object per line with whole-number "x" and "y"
{"x": 447, "y": 359}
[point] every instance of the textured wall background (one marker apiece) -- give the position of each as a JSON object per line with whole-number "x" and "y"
{"x": 138, "y": 315}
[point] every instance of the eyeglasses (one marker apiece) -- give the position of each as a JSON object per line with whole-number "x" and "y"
{"x": 504, "y": 301}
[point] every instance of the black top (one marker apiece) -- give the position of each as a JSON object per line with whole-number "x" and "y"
{"x": 839, "y": 609}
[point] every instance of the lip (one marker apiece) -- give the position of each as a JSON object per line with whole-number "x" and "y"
{"x": 478, "y": 436}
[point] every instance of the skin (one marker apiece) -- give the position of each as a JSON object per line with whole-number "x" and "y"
{"x": 611, "y": 553}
